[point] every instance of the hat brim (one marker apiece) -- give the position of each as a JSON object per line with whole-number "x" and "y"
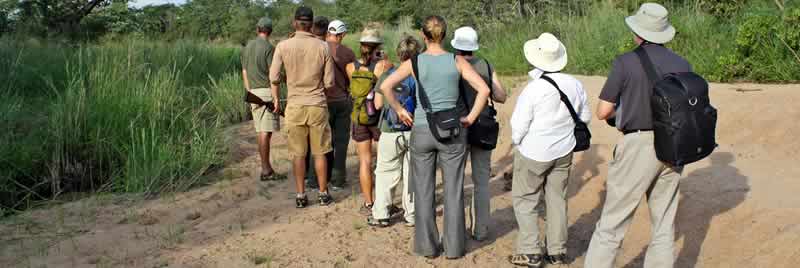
{"x": 539, "y": 61}
{"x": 463, "y": 47}
{"x": 370, "y": 40}
{"x": 655, "y": 37}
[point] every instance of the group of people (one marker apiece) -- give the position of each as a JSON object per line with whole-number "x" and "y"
{"x": 421, "y": 111}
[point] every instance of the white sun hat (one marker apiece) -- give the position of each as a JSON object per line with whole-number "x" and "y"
{"x": 371, "y": 36}
{"x": 651, "y": 23}
{"x": 465, "y": 39}
{"x": 546, "y": 53}
{"x": 337, "y": 27}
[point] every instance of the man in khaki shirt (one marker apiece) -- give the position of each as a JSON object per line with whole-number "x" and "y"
{"x": 309, "y": 70}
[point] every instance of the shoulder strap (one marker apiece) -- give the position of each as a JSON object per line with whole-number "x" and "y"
{"x": 563, "y": 99}
{"x": 649, "y": 68}
{"x": 357, "y": 65}
{"x": 491, "y": 81}
{"x": 423, "y": 97}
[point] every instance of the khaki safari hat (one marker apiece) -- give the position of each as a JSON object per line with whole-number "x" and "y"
{"x": 651, "y": 23}
{"x": 371, "y": 36}
{"x": 546, "y": 53}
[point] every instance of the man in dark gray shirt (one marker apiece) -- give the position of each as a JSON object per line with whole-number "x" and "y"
{"x": 634, "y": 170}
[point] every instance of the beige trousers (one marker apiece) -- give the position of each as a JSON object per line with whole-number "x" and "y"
{"x": 634, "y": 173}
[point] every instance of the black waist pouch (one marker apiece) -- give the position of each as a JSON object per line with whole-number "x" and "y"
{"x": 445, "y": 125}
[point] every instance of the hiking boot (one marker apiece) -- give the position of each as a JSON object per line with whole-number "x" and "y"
{"x": 301, "y": 202}
{"x": 380, "y": 223}
{"x": 366, "y": 209}
{"x": 557, "y": 259}
{"x": 528, "y": 260}
{"x": 325, "y": 199}
{"x": 395, "y": 211}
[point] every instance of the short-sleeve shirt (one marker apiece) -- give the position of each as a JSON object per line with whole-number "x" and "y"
{"x": 483, "y": 68}
{"x": 256, "y": 58}
{"x": 309, "y": 69}
{"x": 629, "y": 88}
{"x": 342, "y": 56}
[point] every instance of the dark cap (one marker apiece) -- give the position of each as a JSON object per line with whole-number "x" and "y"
{"x": 264, "y": 22}
{"x": 304, "y": 13}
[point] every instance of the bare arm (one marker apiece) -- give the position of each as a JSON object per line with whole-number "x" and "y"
{"x": 275, "y": 78}
{"x": 498, "y": 92}
{"x": 398, "y": 76}
{"x": 474, "y": 79}
{"x": 605, "y": 110}
{"x": 244, "y": 78}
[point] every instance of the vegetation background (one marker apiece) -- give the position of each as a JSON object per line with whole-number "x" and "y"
{"x": 100, "y": 96}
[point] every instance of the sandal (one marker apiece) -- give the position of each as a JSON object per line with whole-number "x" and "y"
{"x": 272, "y": 177}
{"x": 529, "y": 260}
{"x": 380, "y": 223}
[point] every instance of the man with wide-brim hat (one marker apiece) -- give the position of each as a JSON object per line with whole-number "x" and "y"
{"x": 634, "y": 170}
{"x": 465, "y": 42}
{"x": 542, "y": 131}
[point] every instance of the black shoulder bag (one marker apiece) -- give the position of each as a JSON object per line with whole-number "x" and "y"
{"x": 484, "y": 132}
{"x": 445, "y": 125}
{"x": 582, "y": 135}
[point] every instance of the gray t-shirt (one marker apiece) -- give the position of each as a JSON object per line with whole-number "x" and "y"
{"x": 630, "y": 89}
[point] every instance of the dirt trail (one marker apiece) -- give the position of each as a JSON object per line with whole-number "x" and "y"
{"x": 739, "y": 208}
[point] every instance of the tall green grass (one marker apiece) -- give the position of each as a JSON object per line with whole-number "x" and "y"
{"x": 128, "y": 117}
{"x": 595, "y": 34}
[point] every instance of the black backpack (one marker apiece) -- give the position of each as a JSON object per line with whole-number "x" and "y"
{"x": 684, "y": 122}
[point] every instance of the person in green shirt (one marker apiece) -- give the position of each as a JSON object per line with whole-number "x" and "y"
{"x": 256, "y": 58}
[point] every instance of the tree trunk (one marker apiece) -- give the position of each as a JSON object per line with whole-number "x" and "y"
{"x": 523, "y": 12}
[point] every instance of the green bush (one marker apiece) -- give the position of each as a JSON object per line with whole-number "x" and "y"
{"x": 134, "y": 117}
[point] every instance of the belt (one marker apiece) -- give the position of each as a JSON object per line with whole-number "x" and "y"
{"x": 629, "y": 131}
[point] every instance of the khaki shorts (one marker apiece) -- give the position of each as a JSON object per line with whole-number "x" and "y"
{"x": 264, "y": 120}
{"x": 308, "y": 126}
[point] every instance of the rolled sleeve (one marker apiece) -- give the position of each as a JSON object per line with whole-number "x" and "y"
{"x": 614, "y": 83}
{"x": 522, "y": 117}
{"x": 275, "y": 67}
{"x": 328, "y": 78}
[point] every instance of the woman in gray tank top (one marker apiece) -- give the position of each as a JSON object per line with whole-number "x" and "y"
{"x": 439, "y": 73}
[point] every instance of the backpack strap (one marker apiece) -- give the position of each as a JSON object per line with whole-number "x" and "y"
{"x": 564, "y": 99}
{"x": 649, "y": 68}
{"x": 490, "y": 83}
{"x": 423, "y": 97}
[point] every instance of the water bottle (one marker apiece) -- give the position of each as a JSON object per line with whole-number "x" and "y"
{"x": 371, "y": 103}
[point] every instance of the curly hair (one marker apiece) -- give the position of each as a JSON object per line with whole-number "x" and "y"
{"x": 408, "y": 47}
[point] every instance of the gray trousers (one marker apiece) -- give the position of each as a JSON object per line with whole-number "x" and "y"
{"x": 531, "y": 180}
{"x": 426, "y": 154}
{"x": 479, "y": 210}
{"x": 633, "y": 173}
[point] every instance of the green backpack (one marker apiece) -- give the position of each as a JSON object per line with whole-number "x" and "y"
{"x": 361, "y": 88}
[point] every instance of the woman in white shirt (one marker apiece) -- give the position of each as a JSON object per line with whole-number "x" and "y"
{"x": 542, "y": 131}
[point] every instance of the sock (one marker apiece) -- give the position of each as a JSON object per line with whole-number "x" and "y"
{"x": 323, "y": 193}
{"x": 301, "y": 195}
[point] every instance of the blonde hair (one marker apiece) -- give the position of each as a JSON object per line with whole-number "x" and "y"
{"x": 408, "y": 47}
{"x": 434, "y": 28}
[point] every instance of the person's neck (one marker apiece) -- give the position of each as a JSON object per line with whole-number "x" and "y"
{"x": 435, "y": 48}
{"x": 332, "y": 40}
{"x": 263, "y": 35}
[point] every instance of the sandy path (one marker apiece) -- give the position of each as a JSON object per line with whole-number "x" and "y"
{"x": 739, "y": 207}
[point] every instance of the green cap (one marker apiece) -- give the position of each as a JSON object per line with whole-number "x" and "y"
{"x": 264, "y": 23}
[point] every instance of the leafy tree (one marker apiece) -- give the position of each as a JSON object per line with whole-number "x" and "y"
{"x": 60, "y": 16}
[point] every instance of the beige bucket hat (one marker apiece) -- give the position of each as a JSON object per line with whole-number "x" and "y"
{"x": 371, "y": 36}
{"x": 546, "y": 53}
{"x": 651, "y": 23}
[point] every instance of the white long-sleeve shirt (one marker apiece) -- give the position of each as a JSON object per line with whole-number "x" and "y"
{"x": 541, "y": 125}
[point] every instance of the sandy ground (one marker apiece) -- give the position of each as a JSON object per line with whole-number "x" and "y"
{"x": 739, "y": 208}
